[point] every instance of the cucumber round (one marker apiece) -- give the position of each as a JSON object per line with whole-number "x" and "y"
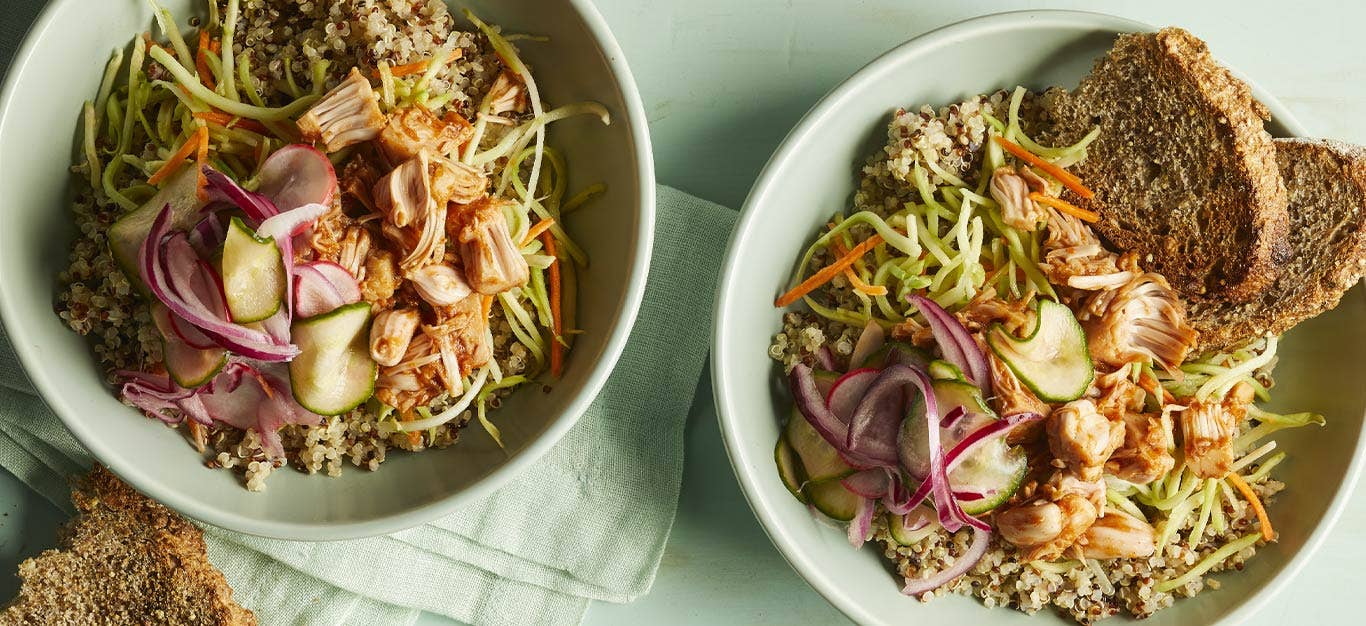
{"x": 993, "y": 469}
{"x": 940, "y": 369}
{"x": 333, "y": 372}
{"x": 897, "y": 352}
{"x": 788, "y": 469}
{"x": 832, "y": 499}
{"x": 127, "y": 234}
{"x": 187, "y": 365}
{"x": 909, "y": 537}
{"x": 253, "y": 274}
{"x": 819, "y": 460}
{"x": 1053, "y": 361}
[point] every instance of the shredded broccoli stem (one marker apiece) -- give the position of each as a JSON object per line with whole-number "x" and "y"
{"x": 1124, "y": 504}
{"x": 1218, "y": 386}
{"x": 510, "y": 381}
{"x": 518, "y": 319}
{"x": 1270, "y": 423}
{"x": 518, "y": 138}
{"x": 213, "y": 12}
{"x": 291, "y": 87}
{"x": 1204, "y": 565}
{"x": 450, "y": 412}
{"x": 166, "y": 22}
{"x": 318, "y": 76}
{"x": 227, "y": 86}
{"x": 1014, "y": 133}
{"x": 231, "y": 107}
{"x": 1185, "y": 486}
{"x": 126, "y": 133}
{"x": 536, "y": 292}
{"x": 92, "y": 159}
{"x": 113, "y": 116}
{"x": 1208, "y": 495}
{"x": 1055, "y": 567}
{"x": 434, "y": 66}
{"x": 1265, "y": 469}
{"x": 111, "y": 71}
{"x": 386, "y": 85}
{"x": 1168, "y": 528}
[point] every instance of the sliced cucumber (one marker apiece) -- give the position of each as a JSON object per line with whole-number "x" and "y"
{"x": 897, "y": 352}
{"x": 187, "y": 365}
{"x": 788, "y": 469}
{"x": 949, "y": 395}
{"x": 993, "y": 470}
{"x": 1053, "y": 361}
{"x": 819, "y": 460}
{"x": 127, "y": 234}
{"x": 253, "y": 274}
{"x": 333, "y": 372}
{"x": 831, "y": 498}
{"x": 906, "y": 537}
{"x": 943, "y": 370}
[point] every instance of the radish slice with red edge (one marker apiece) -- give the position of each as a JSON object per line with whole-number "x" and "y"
{"x": 192, "y": 336}
{"x": 812, "y": 406}
{"x": 870, "y": 483}
{"x": 994, "y": 429}
{"x": 342, "y": 280}
{"x": 955, "y": 342}
{"x": 848, "y": 390}
{"x": 296, "y": 175}
{"x": 877, "y": 418}
{"x": 981, "y": 539}
{"x": 869, "y": 341}
{"x": 314, "y": 294}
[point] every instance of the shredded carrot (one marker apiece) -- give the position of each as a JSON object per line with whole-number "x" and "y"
{"x": 220, "y": 118}
{"x": 825, "y": 275}
{"x": 201, "y": 158}
{"x": 536, "y": 230}
{"x": 205, "y": 75}
{"x": 486, "y": 306}
{"x": 556, "y": 348}
{"x": 1237, "y": 481}
{"x": 1065, "y": 177}
{"x": 186, "y": 150}
{"x": 414, "y": 437}
{"x": 1065, "y": 207}
{"x": 855, "y": 279}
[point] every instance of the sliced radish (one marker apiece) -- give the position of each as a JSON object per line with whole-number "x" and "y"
{"x": 848, "y": 390}
{"x": 296, "y": 175}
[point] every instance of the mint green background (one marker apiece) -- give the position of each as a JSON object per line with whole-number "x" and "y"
{"x": 723, "y": 81}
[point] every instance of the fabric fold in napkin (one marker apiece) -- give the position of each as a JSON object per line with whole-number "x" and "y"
{"x": 486, "y": 564}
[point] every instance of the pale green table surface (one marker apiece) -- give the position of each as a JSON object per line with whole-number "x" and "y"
{"x": 723, "y": 81}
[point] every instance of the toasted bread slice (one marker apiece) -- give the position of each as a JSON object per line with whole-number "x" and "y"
{"x": 124, "y": 560}
{"x": 1327, "y": 184}
{"x": 1183, "y": 172}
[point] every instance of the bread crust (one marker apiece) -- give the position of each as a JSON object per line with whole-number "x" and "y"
{"x": 124, "y": 560}
{"x": 1327, "y": 187}
{"x": 1184, "y": 172}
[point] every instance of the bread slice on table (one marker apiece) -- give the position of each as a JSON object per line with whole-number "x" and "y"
{"x": 1327, "y": 185}
{"x": 1183, "y": 172}
{"x": 124, "y": 560}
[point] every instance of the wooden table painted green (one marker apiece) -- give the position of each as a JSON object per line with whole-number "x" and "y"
{"x": 723, "y": 81}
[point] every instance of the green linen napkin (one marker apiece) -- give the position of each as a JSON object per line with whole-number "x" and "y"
{"x": 484, "y": 564}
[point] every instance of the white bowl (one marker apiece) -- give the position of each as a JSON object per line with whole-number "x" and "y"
{"x": 60, "y": 65}
{"x": 813, "y": 174}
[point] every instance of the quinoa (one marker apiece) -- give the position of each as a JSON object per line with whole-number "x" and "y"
{"x": 284, "y": 39}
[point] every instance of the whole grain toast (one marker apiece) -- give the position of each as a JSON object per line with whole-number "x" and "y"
{"x": 1327, "y": 185}
{"x": 1183, "y": 172}
{"x": 124, "y": 560}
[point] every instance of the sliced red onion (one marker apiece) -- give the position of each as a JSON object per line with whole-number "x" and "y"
{"x": 283, "y": 227}
{"x": 296, "y": 175}
{"x": 207, "y": 235}
{"x": 898, "y": 498}
{"x": 812, "y": 406}
{"x": 224, "y": 189}
{"x": 875, "y": 421}
{"x": 955, "y": 414}
{"x": 861, "y": 528}
{"x": 981, "y": 539}
{"x": 950, "y": 514}
{"x": 993, "y": 430}
{"x": 157, "y": 259}
{"x": 872, "y": 483}
{"x": 827, "y": 359}
{"x": 342, "y": 280}
{"x": 957, "y": 344}
{"x": 869, "y": 342}
{"x": 968, "y": 496}
{"x": 313, "y": 293}
{"x": 914, "y": 520}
